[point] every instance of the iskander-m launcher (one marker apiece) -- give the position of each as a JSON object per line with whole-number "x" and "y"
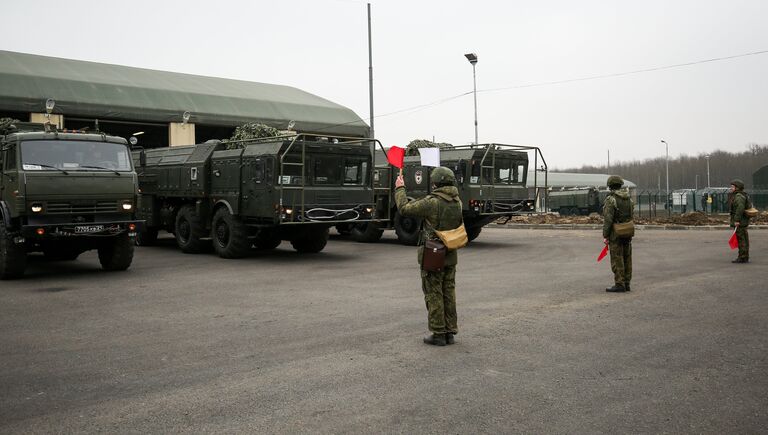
{"x": 256, "y": 193}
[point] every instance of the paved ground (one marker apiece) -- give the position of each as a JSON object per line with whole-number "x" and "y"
{"x": 331, "y": 343}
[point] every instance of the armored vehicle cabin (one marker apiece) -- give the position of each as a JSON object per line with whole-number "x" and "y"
{"x": 491, "y": 179}
{"x": 63, "y": 194}
{"x": 259, "y": 192}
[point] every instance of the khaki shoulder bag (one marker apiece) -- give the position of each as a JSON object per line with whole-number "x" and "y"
{"x": 751, "y": 211}
{"x": 453, "y": 239}
{"x": 624, "y": 230}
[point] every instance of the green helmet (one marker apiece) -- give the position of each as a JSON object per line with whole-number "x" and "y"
{"x": 442, "y": 176}
{"x": 615, "y": 181}
{"x": 738, "y": 183}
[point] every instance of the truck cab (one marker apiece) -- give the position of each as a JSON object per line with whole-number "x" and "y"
{"x": 63, "y": 193}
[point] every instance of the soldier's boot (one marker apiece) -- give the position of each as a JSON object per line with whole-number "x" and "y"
{"x": 449, "y": 338}
{"x": 617, "y": 288}
{"x": 626, "y": 286}
{"x": 740, "y": 260}
{"x": 435, "y": 339}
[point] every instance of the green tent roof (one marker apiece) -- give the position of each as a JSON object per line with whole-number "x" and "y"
{"x": 98, "y": 90}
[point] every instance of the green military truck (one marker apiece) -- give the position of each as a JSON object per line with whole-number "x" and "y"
{"x": 491, "y": 179}
{"x": 63, "y": 193}
{"x": 256, "y": 192}
{"x": 574, "y": 202}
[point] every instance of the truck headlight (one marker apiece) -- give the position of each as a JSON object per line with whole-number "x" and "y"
{"x": 127, "y": 206}
{"x": 37, "y": 208}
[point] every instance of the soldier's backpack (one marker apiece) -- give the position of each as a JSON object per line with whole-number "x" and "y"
{"x": 624, "y": 230}
{"x": 750, "y": 211}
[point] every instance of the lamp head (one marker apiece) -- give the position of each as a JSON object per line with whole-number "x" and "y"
{"x": 185, "y": 117}
{"x": 471, "y": 57}
{"x": 49, "y": 105}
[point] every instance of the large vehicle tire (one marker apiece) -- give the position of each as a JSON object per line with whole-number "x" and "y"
{"x": 267, "y": 240}
{"x": 230, "y": 235}
{"x": 407, "y": 229}
{"x": 311, "y": 240}
{"x": 60, "y": 253}
{"x": 13, "y": 258}
{"x": 366, "y": 232}
{"x": 189, "y": 230}
{"x": 473, "y": 232}
{"x": 147, "y": 237}
{"x": 117, "y": 254}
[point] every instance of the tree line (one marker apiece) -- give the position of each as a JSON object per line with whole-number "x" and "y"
{"x": 724, "y": 166}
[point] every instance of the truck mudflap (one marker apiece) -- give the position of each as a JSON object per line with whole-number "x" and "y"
{"x": 77, "y": 230}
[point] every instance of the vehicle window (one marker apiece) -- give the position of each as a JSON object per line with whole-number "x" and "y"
{"x": 46, "y": 155}
{"x": 355, "y": 171}
{"x": 326, "y": 170}
{"x": 10, "y": 158}
{"x": 291, "y": 173}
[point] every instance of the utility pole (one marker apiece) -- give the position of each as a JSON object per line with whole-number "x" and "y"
{"x": 370, "y": 71}
{"x": 609, "y": 160}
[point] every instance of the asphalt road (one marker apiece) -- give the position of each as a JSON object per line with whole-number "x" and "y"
{"x": 331, "y": 343}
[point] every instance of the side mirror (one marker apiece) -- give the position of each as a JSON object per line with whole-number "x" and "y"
{"x": 142, "y": 158}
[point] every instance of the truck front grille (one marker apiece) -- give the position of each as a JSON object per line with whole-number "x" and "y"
{"x": 69, "y": 208}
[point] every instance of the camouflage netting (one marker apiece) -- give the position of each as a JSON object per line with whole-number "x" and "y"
{"x": 251, "y": 130}
{"x": 6, "y": 122}
{"x": 413, "y": 148}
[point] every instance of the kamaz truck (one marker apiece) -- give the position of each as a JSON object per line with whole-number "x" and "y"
{"x": 63, "y": 193}
{"x": 255, "y": 193}
{"x": 579, "y": 201}
{"x": 491, "y": 179}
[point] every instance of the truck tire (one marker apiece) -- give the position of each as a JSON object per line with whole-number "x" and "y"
{"x": 473, "y": 232}
{"x": 311, "y": 240}
{"x": 117, "y": 254}
{"x": 267, "y": 240}
{"x": 366, "y": 232}
{"x": 230, "y": 235}
{"x": 147, "y": 237}
{"x": 188, "y": 230}
{"x": 13, "y": 258}
{"x": 407, "y": 229}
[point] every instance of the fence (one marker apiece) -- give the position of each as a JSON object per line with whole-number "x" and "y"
{"x": 651, "y": 203}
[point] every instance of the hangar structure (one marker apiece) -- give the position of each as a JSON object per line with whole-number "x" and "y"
{"x": 161, "y": 108}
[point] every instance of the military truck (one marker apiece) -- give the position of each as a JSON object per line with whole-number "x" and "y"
{"x": 255, "y": 193}
{"x": 63, "y": 193}
{"x": 491, "y": 179}
{"x": 578, "y": 201}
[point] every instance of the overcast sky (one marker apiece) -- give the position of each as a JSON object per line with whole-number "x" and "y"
{"x": 320, "y": 46}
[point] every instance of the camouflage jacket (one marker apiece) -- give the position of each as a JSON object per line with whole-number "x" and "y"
{"x": 441, "y": 211}
{"x": 738, "y": 205}
{"x": 618, "y": 208}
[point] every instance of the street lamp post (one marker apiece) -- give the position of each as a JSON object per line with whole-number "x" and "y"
{"x": 472, "y": 58}
{"x": 707, "y": 157}
{"x": 669, "y": 206}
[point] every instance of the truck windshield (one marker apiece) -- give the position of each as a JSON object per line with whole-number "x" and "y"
{"x": 505, "y": 171}
{"x": 49, "y": 155}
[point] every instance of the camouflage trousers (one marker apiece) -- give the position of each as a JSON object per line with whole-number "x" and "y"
{"x": 440, "y": 296}
{"x": 742, "y": 236}
{"x": 621, "y": 260}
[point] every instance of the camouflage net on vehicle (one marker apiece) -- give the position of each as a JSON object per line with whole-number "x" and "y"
{"x": 251, "y": 130}
{"x": 413, "y": 148}
{"x": 5, "y": 123}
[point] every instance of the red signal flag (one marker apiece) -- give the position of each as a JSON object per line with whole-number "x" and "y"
{"x": 396, "y": 156}
{"x": 603, "y": 253}
{"x": 733, "y": 242}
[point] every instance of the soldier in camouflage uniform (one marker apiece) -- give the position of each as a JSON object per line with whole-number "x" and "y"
{"x": 618, "y": 209}
{"x": 738, "y": 203}
{"x": 441, "y": 210}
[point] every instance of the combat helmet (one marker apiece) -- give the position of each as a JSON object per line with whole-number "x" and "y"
{"x": 614, "y": 181}
{"x": 442, "y": 176}
{"x": 738, "y": 183}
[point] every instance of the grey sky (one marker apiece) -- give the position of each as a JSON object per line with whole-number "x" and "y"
{"x": 321, "y": 46}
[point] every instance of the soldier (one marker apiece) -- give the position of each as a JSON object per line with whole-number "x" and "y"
{"x": 738, "y": 203}
{"x": 441, "y": 210}
{"x": 618, "y": 209}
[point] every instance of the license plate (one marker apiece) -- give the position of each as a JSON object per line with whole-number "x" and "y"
{"x": 89, "y": 228}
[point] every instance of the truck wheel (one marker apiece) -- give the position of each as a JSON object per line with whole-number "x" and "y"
{"x": 267, "y": 240}
{"x": 473, "y": 232}
{"x": 311, "y": 240}
{"x": 230, "y": 235}
{"x": 13, "y": 258}
{"x": 366, "y": 232}
{"x": 117, "y": 254}
{"x": 188, "y": 230}
{"x": 407, "y": 229}
{"x": 147, "y": 237}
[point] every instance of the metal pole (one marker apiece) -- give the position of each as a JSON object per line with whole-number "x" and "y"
{"x": 708, "y": 185}
{"x": 474, "y": 82}
{"x": 370, "y": 70}
{"x": 666, "y": 200}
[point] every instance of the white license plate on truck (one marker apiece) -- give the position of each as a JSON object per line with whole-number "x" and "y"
{"x": 89, "y": 228}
